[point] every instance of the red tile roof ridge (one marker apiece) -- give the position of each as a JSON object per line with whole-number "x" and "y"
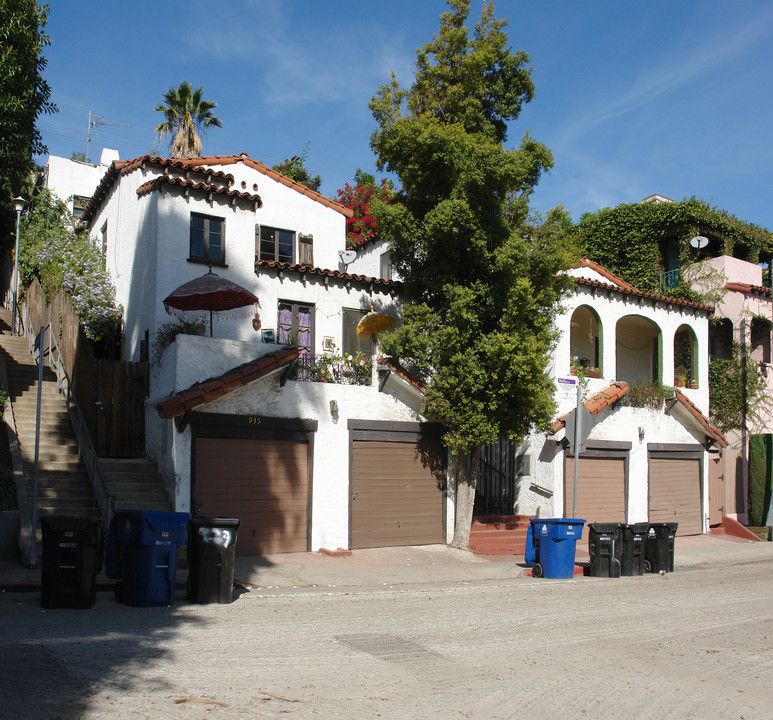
{"x": 644, "y": 294}
{"x": 314, "y": 270}
{"x": 208, "y": 390}
{"x": 596, "y": 403}
{"x": 402, "y": 372}
{"x": 711, "y": 430}
{"x": 124, "y": 167}
{"x": 748, "y": 288}
{"x": 158, "y": 182}
{"x": 585, "y": 261}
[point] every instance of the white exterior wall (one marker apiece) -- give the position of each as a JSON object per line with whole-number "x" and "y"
{"x": 191, "y": 359}
{"x": 65, "y": 177}
{"x": 541, "y": 493}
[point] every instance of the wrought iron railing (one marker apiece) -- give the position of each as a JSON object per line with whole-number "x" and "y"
{"x": 86, "y": 451}
{"x": 670, "y": 279}
{"x": 346, "y": 370}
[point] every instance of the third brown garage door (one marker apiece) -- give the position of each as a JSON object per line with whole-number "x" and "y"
{"x": 263, "y": 482}
{"x": 600, "y": 490}
{"x": 675, "y": 493}
{"x": 397, "y": 497}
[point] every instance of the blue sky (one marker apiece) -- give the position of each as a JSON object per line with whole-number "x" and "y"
{"x": 669, "y": 97}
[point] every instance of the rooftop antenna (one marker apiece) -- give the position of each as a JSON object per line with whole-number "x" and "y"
{"x": 97, "y": 122}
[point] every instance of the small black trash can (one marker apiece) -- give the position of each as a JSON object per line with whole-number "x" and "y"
{"x": 211, "y": 555}
{"x": 72, "y": 557}
{"x": 605, "y": 546}
{"x": 634, "y": 537}
{"x": 659, "y": 547}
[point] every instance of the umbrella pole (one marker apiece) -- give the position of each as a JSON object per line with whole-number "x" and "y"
{"x": 210, "y": 322}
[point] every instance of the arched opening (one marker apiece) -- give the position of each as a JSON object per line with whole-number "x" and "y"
{"x": 585, "y": 341}
{"x": 760, "y": 337}
{"x": 638, "y": 350}
{"x": 685, "y": 357}
{"x": 721, "y": 339}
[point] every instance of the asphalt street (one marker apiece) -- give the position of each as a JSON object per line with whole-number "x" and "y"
{"x": 695, "y": 643}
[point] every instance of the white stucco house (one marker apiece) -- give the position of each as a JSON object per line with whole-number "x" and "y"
{"x": 308, "y": 448}
{"x": 638, "y": 464}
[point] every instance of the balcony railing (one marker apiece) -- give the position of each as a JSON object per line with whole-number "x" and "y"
{"x": 669, "y": 280}
{"x": 346, "y": 370}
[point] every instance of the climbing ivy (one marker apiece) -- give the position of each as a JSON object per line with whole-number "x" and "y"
{"x": 737, "y": 388}
{"x": 632, "y": 240}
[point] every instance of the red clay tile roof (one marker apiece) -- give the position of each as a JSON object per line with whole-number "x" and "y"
{"x": 324, "y": 272}
{"x": 585, "y": 261}
{"x": 209, "y": 390}
{"x": 201, "y": 164}
{"x": 711, "y": 430}
{"x": 403, "y": 373}
{"x": 595, "y": 404}
{"x": 747, "y": 288}
{"x": 166, "y": 180}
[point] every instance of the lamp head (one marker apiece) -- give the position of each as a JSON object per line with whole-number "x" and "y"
{"x": 19, "y": 203}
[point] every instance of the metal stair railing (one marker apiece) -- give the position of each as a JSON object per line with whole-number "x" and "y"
{"x": 86, "y": 450}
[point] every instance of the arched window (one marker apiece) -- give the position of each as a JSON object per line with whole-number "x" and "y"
{"x": 760, "y": 333}
{"x": 638, "y": 350}
{"x": 721, "y": 339}
{"x": 585, "y": 341}
{"x": 685, "y": 357}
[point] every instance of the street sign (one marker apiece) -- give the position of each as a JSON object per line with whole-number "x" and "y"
{"x": 585, "y": 426}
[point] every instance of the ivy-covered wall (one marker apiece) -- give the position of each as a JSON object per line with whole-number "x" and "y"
{"x": 760, "y": 478}
{"x": 639, "y": 241}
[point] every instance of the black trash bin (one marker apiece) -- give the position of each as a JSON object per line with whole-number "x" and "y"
{"x": 605, "y": 546}
{"x": 659, "y": 547}
{"x": 72, "y": 557}
{"x": 634, "y": 536}
{"x": 211, "y": 555}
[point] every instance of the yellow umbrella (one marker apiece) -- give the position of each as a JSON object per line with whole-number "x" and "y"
{"x": 373, "y": 323}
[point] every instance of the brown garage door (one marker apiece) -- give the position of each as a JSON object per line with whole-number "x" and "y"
{"x": 675, "y": 493}
{"x": 263, "y": 482}
{"x": 600, "y": 490}
{"x": 397, "y": 496}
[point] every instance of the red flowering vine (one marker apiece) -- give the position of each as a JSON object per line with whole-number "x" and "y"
{"x": 362, "y": 226}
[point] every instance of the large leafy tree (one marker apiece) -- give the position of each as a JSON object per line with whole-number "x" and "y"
{"x": 187, "y": 115}
{"x": 24, "y": 96}
{"x": 481, "y": 280}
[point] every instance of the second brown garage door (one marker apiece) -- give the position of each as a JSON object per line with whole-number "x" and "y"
{"x": 397, "y": 494}
{"x": 675, "y": 493}
{"x": 263, "y": 482}
{"x": 600, "y": 490}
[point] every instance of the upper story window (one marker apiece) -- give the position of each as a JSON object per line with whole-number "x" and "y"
{"x": 353, "y": 343}
{"x": 385, "y": 266}
{"x": 275, "y": 244}
{"x": 207, "y": 239}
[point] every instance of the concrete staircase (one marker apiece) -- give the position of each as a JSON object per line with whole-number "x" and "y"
{"x": 499, "y": 535}
{"x": 64, "y": 487}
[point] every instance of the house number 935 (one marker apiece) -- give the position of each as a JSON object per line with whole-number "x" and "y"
{"x": 252, "y": 420}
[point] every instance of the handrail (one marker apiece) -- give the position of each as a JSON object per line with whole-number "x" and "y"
{"x": 86, "y": 450}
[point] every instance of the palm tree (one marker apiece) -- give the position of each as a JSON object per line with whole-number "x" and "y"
{"x": 186, "y": 115}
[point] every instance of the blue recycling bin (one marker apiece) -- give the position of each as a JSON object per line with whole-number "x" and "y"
{"x": 551, "y": 544}
{"x": 142, "y": 554}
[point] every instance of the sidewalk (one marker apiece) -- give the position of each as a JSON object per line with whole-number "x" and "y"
{"x": 390, "y": 568}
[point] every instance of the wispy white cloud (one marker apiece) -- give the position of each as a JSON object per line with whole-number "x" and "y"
{"x": 670, "y": 72}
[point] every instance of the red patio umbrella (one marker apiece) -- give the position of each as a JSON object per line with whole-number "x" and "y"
{"x": 213, "y": 293}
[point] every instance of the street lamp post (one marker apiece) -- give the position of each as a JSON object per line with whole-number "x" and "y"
{"x": 19, "y": 203}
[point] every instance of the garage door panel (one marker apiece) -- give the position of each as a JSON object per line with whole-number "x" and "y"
{"x": 263, "y": 482}
{"x": 601, "y": 496}
{"x": 675, "y": 493}
{"x": 397, "y": 497}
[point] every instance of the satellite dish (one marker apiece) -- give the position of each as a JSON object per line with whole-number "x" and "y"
{"x": 347, "y": 256}
{"x": 699, "y": 242}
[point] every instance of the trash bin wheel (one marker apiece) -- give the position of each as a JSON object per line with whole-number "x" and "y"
{"x": 536, "y": 570}
{"x": 647, "y": 567}
{"x": 118, "y": 591}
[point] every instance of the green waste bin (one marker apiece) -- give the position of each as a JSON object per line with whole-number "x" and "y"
{"x": 659, "y": 547}
{"x": 605, "y": 547}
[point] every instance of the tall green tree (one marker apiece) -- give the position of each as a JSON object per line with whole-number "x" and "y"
{"x": 187, "y": 115}
{"x": 481, "y": 279}
{"x": 24, "y": 96}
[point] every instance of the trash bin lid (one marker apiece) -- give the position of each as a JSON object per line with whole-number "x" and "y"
{"x": 223, "y": 522}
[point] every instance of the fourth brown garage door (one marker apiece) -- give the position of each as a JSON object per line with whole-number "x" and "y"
{"x": 263, "y": 482}
{"x": 675, "y": 493}
{"x": 397, "y": 497}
